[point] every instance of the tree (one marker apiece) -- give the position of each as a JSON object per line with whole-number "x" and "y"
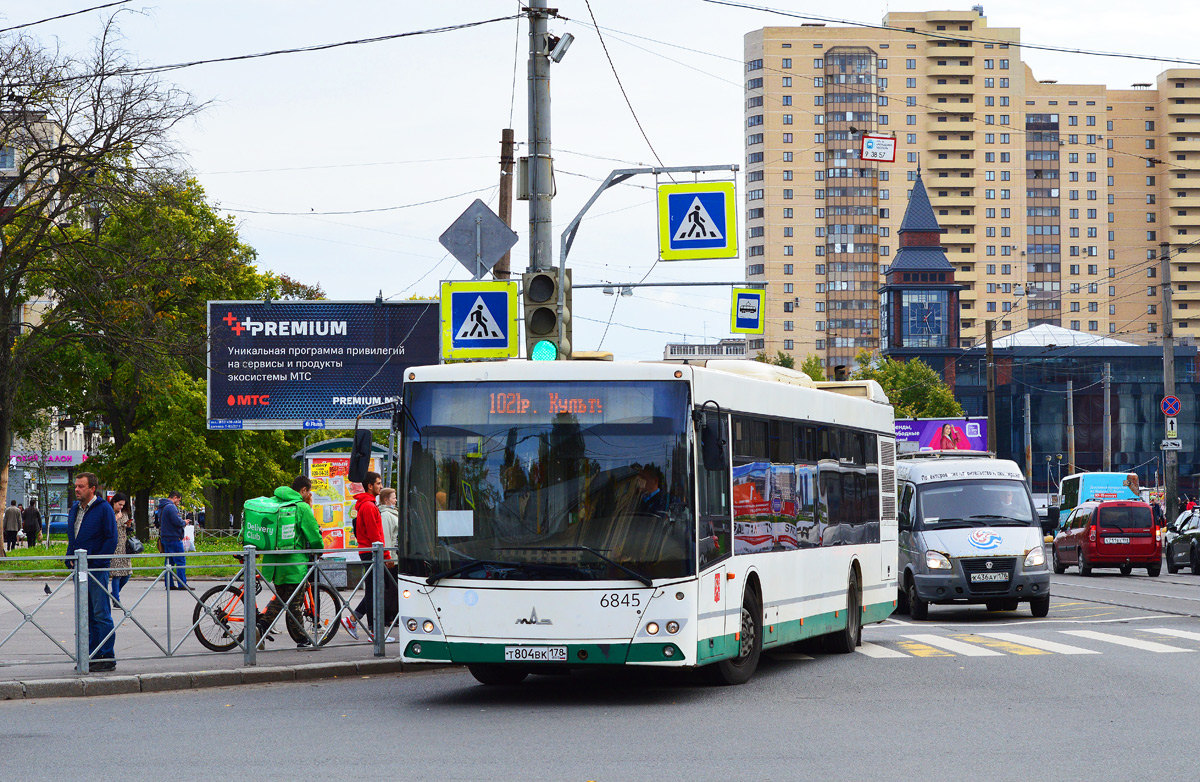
{"x": 813, "y": 368}
{"x": 781, "y": 359}
{"x": 914, "y": 388}
{"x": 84, "y": 134}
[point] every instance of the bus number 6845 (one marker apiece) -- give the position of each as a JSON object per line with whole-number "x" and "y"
{"x": 616, "y": 600}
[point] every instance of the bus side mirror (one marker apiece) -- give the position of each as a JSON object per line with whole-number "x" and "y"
{"x": 904, "y": 522}
{"x": 360, "y": 455}
{"x": 712, "y": 445}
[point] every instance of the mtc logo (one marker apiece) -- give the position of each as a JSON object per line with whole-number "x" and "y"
{"x": 249, "y": 399}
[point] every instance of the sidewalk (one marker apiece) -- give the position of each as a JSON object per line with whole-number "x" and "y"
{"x": 32, "y": 666}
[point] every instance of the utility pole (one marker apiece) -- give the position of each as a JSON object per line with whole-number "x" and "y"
{"x": 501, "y": 270}
{"x": 1070, "y": 427}
{"x": 541, "y": 241}
{"x": 1028, "y": 445}
{"x": 1170, "y": 458}
{"x": 1107, "y": 418}
{"x": 992, "y": 438}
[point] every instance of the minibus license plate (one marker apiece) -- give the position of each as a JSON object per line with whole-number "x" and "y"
{"x": 978, "y": 577}
{"x": 536, "y": 654}
{"x": 1116, "y": 540}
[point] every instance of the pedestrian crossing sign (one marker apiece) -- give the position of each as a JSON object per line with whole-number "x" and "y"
{"x": 479, "y": 320}
{"x": 697, "y": 220}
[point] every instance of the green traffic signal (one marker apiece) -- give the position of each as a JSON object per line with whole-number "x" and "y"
{"x": 545, "y": 350}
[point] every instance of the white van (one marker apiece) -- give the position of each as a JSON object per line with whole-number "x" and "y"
{"x": 969, "y": 533}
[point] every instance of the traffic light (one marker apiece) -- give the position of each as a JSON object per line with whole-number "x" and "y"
{"x": 547, "y": 336}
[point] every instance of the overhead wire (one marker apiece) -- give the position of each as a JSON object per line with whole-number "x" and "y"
{"x": 63, "y": 16}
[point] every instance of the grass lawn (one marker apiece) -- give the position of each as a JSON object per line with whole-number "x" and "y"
{"x": 21, "y": 562}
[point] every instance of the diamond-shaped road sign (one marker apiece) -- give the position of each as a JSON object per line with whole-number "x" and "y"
{"x": 478, "y": 238}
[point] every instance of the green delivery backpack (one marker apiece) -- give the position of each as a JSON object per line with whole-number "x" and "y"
{"x": 269, "y": 524}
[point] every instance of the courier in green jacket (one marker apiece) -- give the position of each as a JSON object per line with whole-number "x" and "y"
{"x": 287, "y": 571}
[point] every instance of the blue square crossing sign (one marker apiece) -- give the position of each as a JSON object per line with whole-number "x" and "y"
{"x": 479, "y": 320}
{"x": 697, "y": 220}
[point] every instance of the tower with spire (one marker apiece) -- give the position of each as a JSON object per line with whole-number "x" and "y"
{"x": 919, "y": 307}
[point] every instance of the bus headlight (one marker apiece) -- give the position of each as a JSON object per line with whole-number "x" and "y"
{"x": 935, "y": 560}
{"x": 672, "y": 627}
{"x": 428, "y": 626}
{"x": 652, "y": 628}
{"x": 411, "y": 624}
{"x": 1036, "y": 557}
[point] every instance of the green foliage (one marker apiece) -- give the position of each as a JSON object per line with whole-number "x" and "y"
{"x": 812, "y": 367}
{"x": 914, "y": 388}
{"x": 781, "y": 359}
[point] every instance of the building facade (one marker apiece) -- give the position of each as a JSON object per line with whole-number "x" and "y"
{"x": 1054, "y": 198}
{"x": 731, "y": 348}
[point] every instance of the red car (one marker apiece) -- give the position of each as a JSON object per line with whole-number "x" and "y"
{"x": 1115, "y": 534}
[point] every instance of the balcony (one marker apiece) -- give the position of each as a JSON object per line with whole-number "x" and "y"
{"x": 1190, "y": 202}
{"x": 953, "y": 142}
{"x": 952, "y": 68}
{"x": 1170, "y": 93}
{"x": 944, "y": 90}
{"x": 950, "y": 163}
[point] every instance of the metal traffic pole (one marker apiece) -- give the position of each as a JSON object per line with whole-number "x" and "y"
{"x": 377, "y": 598}
{"x": 249, "y": 607}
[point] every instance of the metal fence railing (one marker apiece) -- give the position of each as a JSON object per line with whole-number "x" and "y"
{"x": 222, "y": 607}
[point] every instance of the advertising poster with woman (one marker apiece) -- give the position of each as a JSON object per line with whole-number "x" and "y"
{"x": 942, "y": 434}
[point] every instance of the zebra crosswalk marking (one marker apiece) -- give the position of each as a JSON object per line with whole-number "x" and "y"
{"x": 955, "y": 647}
{"x": 1176, "y": 633}
{"x": 923, "y": 650}
{"x": 1011, "y": 646}
{"x": 1133, "y": 643}
{"x": 874, "y": 650}
{"x": 1049, "y": 646}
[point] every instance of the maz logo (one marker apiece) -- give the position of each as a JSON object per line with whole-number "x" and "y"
{"x": 533, "y": 619}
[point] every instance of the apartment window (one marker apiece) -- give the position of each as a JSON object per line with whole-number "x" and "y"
{"x": 787, "y": 194}
{"x": 787, "y": 119}
{"x": 787, "y": 212}
{"x": 787, "y": 325}
{"x": 818, "y": 63}
{"x": 911, "y": 138}
{"x": 787, "y": 81}
{"x": 787, "y": 268}
{"x": 754, "y": 65}
{"x": 787, "y": 138}
{"x": 910, "y": 83}
{"x": 787, "y": 250}
{"x": 787, "y": 62}
{"x": 787, "y": 176}
{"x": 1149, "y": 124}
{"x": 1004, "y": 65}
{"x": 910, "y": 119}
{"x": 910, "y": 65}
{"x": 787, "y": 101}
{"x": 987, "y": 64}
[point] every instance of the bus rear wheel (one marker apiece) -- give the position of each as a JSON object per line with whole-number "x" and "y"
{"x": 741, "y": 668}
{"x": 848, "y": 639}
{"x": 496, "y": 675}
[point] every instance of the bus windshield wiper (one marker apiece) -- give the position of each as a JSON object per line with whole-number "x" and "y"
{"x": 1022, "y": 522}
{"x": 630, "y": 571}
{"x": 436, "y": 577}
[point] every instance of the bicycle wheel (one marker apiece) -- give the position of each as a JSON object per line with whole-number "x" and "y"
{"x": 320, "y": 617}
{"x": 219, "y": 618}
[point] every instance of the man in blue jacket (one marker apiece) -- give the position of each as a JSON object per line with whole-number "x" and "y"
{"x": 171, "y": 535}
{"x": 91, "y": 526}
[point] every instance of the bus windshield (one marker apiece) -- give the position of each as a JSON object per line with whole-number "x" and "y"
{"x": 548, "y": 481}
{"x": 976, "y": 503}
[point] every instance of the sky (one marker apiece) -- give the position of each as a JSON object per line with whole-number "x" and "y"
{"x": 413, "y": 125}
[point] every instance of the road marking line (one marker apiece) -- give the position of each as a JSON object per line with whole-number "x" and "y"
{"x": 956, "y": 647}
{"x": 1038, "y": 643}
{"x": 1002, "y": 644}
{"x": 1177, "y": 633}
{"x": 1149, "y": 646}
{"x": 874, "y": 650}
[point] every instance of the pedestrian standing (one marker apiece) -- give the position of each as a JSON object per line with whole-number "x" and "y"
{"x": 12, "y": 523}
{"x": 171, "y": 537}
{"x": 391, "y": 517}
{"x": 91, "y": 526}
{"x": 120, "y": 568}
{"x": 33, "y": 523}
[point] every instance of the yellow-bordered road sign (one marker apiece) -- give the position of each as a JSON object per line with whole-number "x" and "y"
{"x": 697, "y": 220}
{"x": 748, "y": 311}
{"x": 479, "y": 320}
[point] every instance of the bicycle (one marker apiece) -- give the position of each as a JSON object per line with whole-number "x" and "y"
{"x": 219, "y": 617}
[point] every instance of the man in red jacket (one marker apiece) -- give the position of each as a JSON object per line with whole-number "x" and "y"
{"x": 368, "y": 529}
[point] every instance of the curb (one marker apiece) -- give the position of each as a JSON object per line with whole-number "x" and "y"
{"x": 166, "y": 682}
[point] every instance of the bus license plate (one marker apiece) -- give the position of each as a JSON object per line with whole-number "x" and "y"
{"x": 536, "y": 654}
{"x": 1116, "y": 540}
{"x": 979, "y": 577}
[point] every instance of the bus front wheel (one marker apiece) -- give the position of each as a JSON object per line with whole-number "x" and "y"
{"x": 496, "y": 675}
{"x": 739, "y": 669}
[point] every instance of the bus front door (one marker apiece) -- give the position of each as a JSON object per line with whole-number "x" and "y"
{"x": 711, "y": 626}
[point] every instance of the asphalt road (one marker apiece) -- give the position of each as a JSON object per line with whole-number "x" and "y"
{"x": 1097, "y": 690}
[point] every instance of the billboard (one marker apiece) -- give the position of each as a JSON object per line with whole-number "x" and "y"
{"x": 312, "y": 364}
{"x": 942, "y": 434}
{"x": 333, "y": 498}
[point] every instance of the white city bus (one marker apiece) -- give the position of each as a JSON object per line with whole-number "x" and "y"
{"x": 571, "y": 514}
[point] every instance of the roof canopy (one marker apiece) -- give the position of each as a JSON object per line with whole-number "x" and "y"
{"x": 1045, "y": 336}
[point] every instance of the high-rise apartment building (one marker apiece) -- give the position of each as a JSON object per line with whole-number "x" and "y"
{"x": 1054, "y": 197}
